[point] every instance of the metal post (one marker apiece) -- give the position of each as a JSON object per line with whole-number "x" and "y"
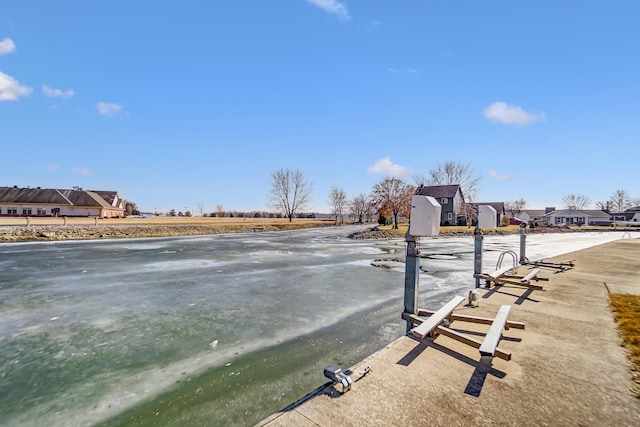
{"x": 477, "y": 255}
{"x": 523, "y": 245}
{"x": 411, "y": 277}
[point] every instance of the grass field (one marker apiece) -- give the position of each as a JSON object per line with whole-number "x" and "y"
{"x": 626, "y": 310}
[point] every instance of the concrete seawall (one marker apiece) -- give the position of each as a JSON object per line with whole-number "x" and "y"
{"x": 568, "y": 365}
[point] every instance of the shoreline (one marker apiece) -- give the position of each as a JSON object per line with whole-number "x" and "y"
{"x": 35, "y": 233}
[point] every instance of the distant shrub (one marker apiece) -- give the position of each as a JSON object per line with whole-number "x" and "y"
{"x": 385, "y": 220}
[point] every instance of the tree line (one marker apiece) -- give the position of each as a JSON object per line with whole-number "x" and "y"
{"x": 389, "y": 199}
{"x": 619, "y": 201}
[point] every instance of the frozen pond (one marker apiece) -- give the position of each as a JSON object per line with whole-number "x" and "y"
{"x": 209, "y": 330}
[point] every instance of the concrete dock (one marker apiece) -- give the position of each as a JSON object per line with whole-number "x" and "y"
{"x": 568, "y": 366}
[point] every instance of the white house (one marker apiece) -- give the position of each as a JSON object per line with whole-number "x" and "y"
{"x": 566, "y": 217}
{"x": 531, "y": 215}
{"x": 578, "y": 217}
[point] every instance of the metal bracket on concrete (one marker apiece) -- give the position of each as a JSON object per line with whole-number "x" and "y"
{"x": 336, "y": 375}
{"x": 562, "y": 265}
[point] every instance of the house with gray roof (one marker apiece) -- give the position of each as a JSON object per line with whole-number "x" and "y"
{"x": 579, "y": 217}
{"x": 566, "y": 216}
{"x": 16, "y": 201}
{"x": 450, "y": 198}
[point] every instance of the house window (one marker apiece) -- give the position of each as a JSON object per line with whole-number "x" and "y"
{"x": 0, "y": 211}
{"x": 449, "y": 215}
{"x": 12, "y": 211}
{"x": 26, "y": 211}
{"x": 41, "y": 211}
{"x": 444, "y": 201}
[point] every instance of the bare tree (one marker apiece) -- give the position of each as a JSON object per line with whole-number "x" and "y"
{"x": 575, "y": 201}
{"x": 394, "y": 195}
{"x": 290, "y": 192}
{"x": 219, "y": 210}
{"x": 620, "y": 201}
{"x": 604, "y": 206}
{"x": 515, "y": 207}
{"x": 470, "y": 211}
{"x": 200, "y": 207}
{"x": 451, "y": 172}
{"x": 360, "y": 206}
{"x": 338, "y": 201}
{"x": 420, "y": 179}
{"x": 130, "y": 208}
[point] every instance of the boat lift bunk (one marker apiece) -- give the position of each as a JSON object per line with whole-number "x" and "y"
{"x": 430, "y": 324}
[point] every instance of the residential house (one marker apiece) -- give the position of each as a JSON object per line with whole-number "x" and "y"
{"x": 629, "y": 217}
{"x": 579, "y": 217}
{"x": 16, "y": 201}
{"x": 566, "y": 217}
{"x": 531, "y": 215}
{"x": 450, "y": 198}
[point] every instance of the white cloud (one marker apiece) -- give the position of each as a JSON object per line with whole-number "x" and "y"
{"x": 51, "y": 92}
{"x": 501, "y": 177}
{"x": 53, "y": 167}
{"x": 504, "y": 113}
{"x": 7, "y": 46}
{"x": 332, "y": 6}
{"x": 497, "y": 176}
{"x": 403, "y": 71}
{"x": 11, "y": 89}
{"x": 108, "y": 108}
{"x": 386, "y": 166}
{"x": 81, "y": 171}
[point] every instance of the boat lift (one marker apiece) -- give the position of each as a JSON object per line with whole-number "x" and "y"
{"x": 502, "y": 275}
{"x": 425, "y": 324}
{"x": 561, "y": 266}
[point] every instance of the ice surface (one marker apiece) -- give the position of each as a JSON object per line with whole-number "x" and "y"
{"x": 111, "y": 322}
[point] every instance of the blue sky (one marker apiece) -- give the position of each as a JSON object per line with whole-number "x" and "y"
{"x": 178, "y": 103}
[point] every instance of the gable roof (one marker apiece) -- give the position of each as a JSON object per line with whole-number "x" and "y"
{"x": 498, "y": 206}
{"x": 438, "y": 191}
{"x": 534, "y": 213}
{"x": 31, "y": 195}
{"x": 111, "y": 197}
{"x": 591, "y": 213}
{"x": 54, "y": 197}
